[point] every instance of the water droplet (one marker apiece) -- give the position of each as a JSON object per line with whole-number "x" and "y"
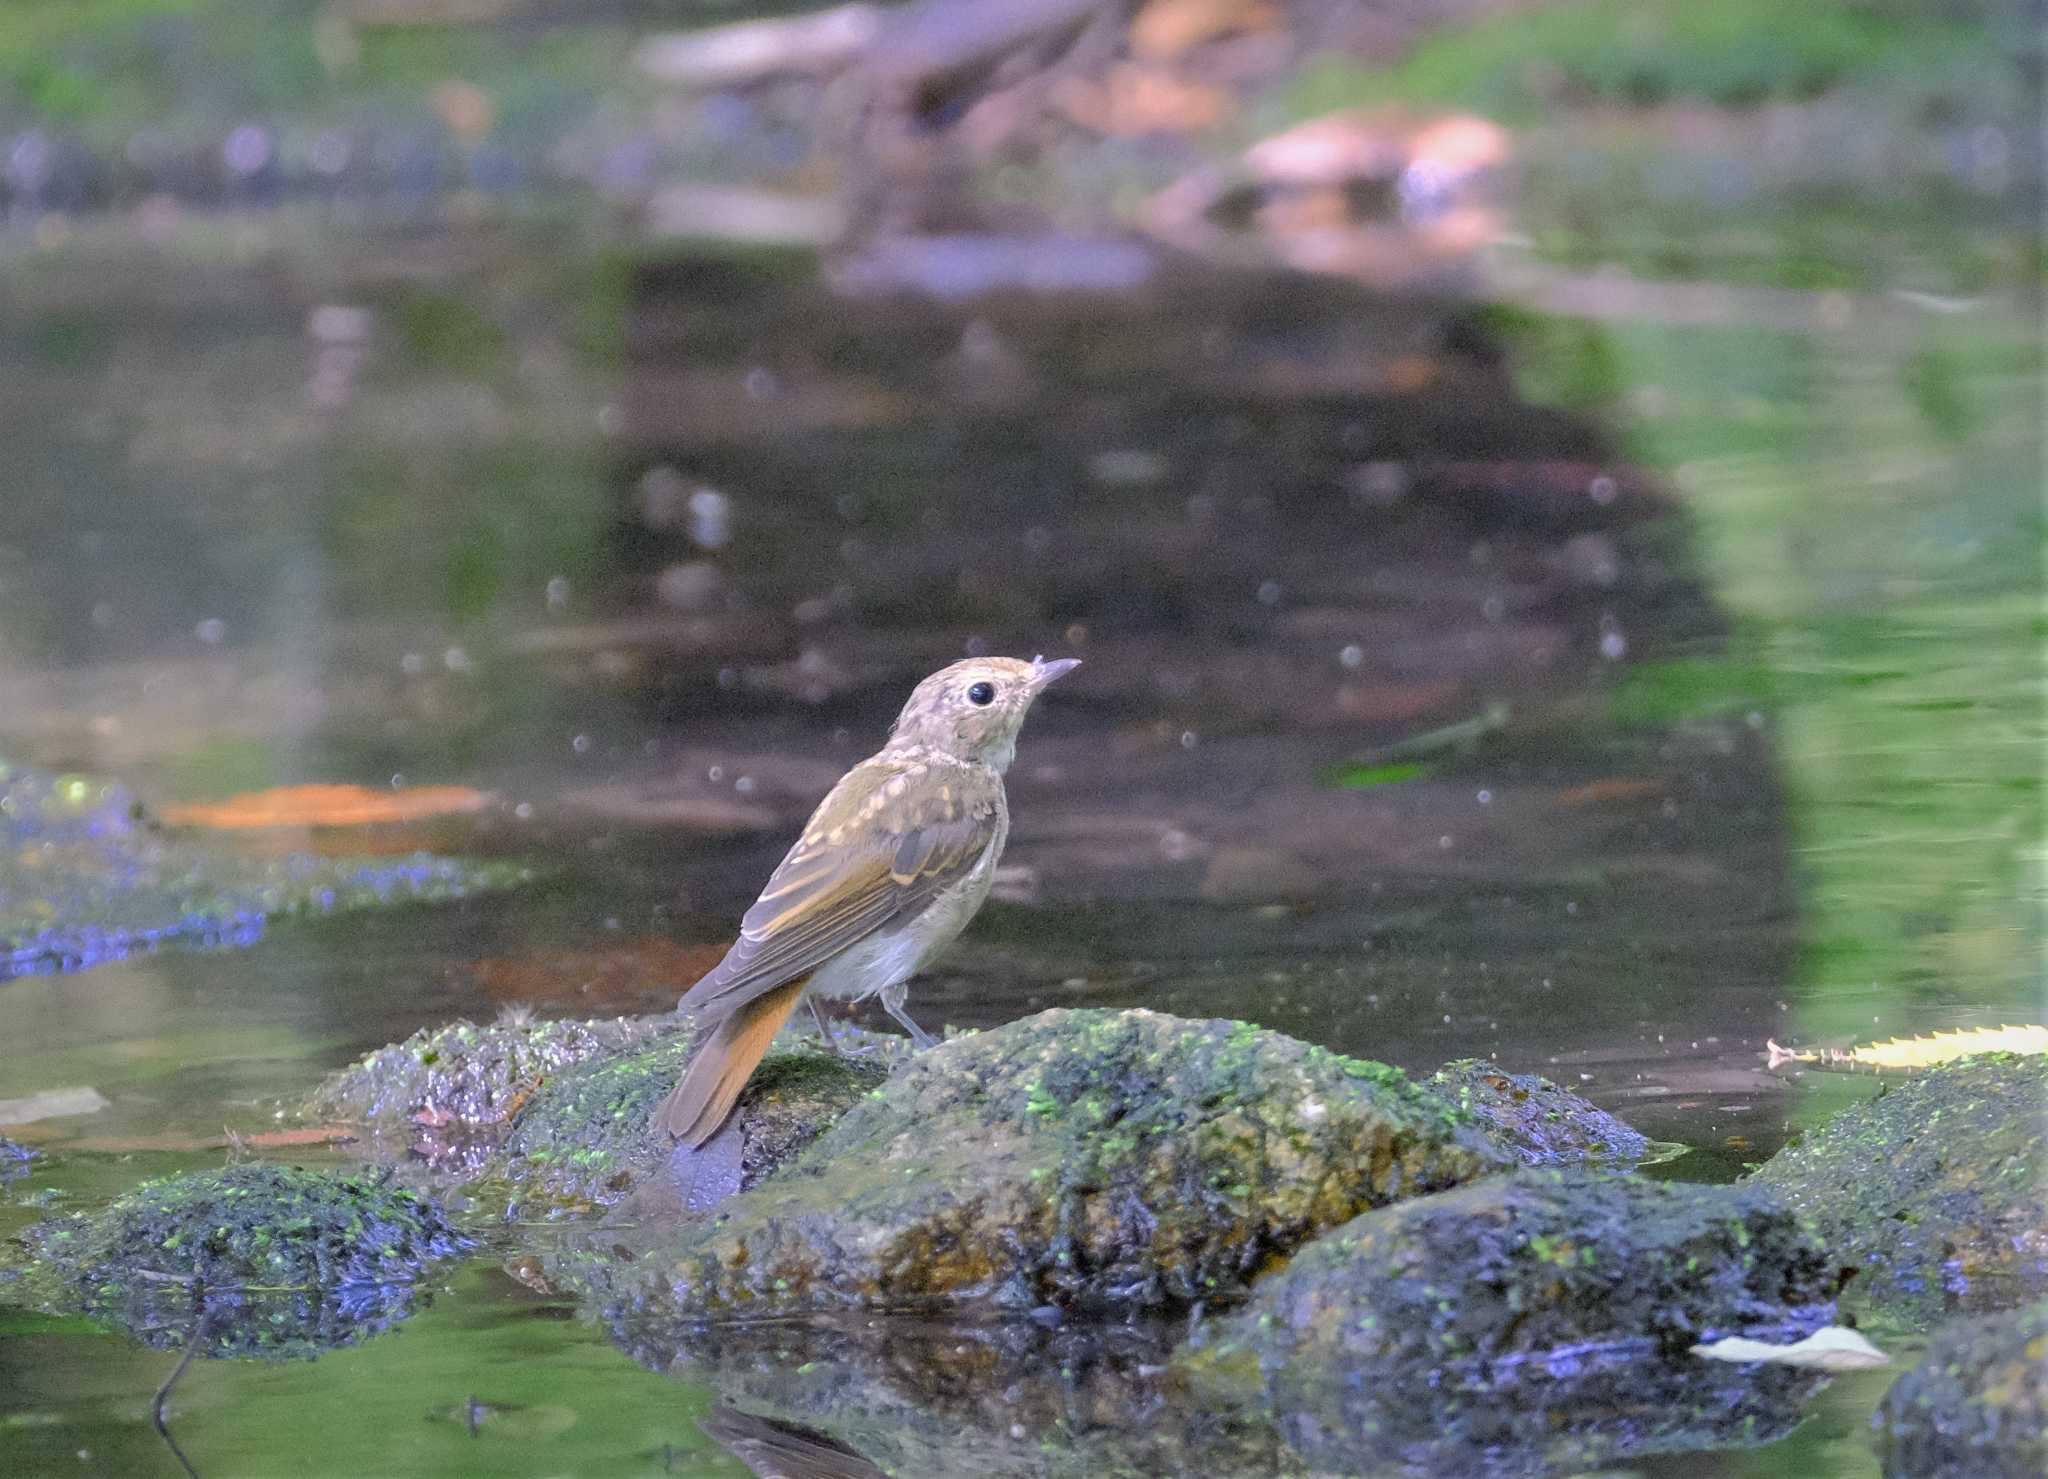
{"x": 246, "y": 149}
{"x": 710, "y": 517}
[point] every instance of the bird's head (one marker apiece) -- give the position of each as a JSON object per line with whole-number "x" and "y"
{"x": 973, "y": 709}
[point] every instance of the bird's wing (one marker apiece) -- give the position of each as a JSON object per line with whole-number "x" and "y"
{"x": 895, "y": 846}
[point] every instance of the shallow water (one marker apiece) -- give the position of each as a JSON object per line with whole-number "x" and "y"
{"x": 1601, "y": 699}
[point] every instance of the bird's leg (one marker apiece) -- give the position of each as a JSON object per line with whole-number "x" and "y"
{"x": 824, "y": 1027}
{"x": 892, "y": 1003}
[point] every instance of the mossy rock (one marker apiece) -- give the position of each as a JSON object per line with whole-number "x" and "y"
{"x": 1543, "y": 1123}
{"x": 465, "y": 1078}
{"x": 255, "y": 1260}
{"x": 1119, "y": 1160}
{"x": 586, "y": 1138}
{"x": 1932, "y": 1190}
{"x": 1539, "y": 1321}
{"x": 1977, "y": 1404}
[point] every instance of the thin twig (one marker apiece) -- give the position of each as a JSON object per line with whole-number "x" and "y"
{"x": 193, "y": 1338}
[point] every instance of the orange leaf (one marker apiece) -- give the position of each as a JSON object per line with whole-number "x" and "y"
{"x": 325, "y": 806}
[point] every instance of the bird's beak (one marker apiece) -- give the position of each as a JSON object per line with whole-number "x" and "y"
{"x": 1044, "y": 673}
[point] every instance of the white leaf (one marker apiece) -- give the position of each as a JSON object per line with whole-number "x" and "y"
{"x": 1833, "y": 1348}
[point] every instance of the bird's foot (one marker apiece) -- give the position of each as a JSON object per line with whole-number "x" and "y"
{"x": 825, "y": 1028}
{"x": 919, "y": 1038}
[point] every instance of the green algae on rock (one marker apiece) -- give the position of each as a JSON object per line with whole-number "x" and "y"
{"x": 465, "y": 1078}
{"x": 1541, "y": 1319}
{"x": 86, "y": 875}
{"x": 587, "y": 1137}
{"x": 554, "y": 1117}
{"x": 1977, "y": 1403}
{"x": 1932, "y": 1190}
{"x": 256, "y": 1260}
{"x": 1543, "y": 1123}
{"x": 1123, "y": 1160}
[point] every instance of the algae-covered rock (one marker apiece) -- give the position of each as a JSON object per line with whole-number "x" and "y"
{"x": 1543, "y": 1123}
{"x": 1976, "y": 1405}
{"x": 255, "y": 1260}
{"x": 1530, "y": 1321}
{"x": 587, "y": 1136}
{"x": 1932, "y": 1189}
{"x": 86, "y": 875}
{"x": 1076, "y": 1158}
{"x": 555, "y": 1116}
{"x": 464, "y": 1078}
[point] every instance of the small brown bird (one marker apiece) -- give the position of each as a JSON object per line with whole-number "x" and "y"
{"x": 889, "y": 869}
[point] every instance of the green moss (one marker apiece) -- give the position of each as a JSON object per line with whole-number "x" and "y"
{"x": 467, "y": 1078}
{"x": 1124, "y": 1159}
{"x": 1546, "y": 1314}
{"x": 264, "y": 1260}
{"x": 1976, "y": 1404}
{"x": 1540, "y": 1122}
{"x": 586, "y": 1138}
{"x": 1932, "y": 1189}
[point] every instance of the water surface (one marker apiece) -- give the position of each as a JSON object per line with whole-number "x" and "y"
{"x": 1603, "y": 696}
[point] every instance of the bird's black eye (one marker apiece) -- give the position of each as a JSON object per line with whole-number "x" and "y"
{"x": 982, "y": 693}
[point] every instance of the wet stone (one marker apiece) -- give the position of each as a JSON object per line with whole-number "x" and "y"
{"x": 1542, "y": 1123}
{"x": 1528, "y": 1323}
{"x": 14, "y": 1160}
{"x": 1977, "y": 1404}
{"x": 256, "y": 1260}
{"x": 587, "y": 1139}
{"x": 1931, "y": 1191}
{"x": 465, "y": 1078}
{"x": 1088, "y": 1159}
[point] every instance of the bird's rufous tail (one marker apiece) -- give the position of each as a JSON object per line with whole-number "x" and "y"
{"x": 722, "y": 1064}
